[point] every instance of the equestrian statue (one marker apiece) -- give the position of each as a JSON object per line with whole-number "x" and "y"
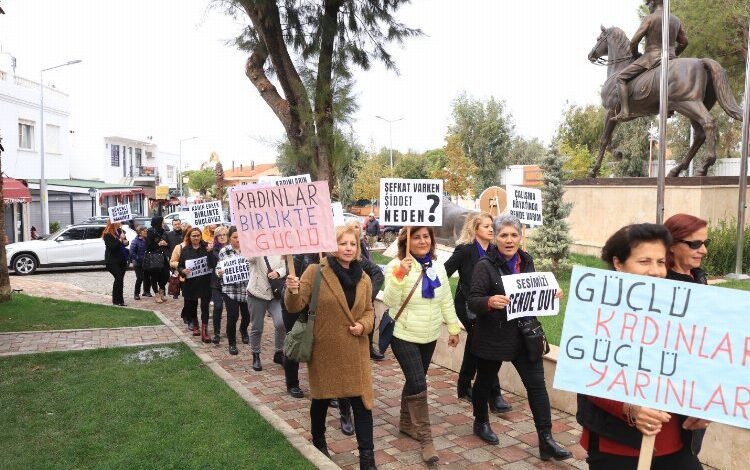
{"x": 633, "y": 83}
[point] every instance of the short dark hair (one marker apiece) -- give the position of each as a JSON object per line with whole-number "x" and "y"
{"x": 622, "y": 242}
{"x": 402, "y": 249}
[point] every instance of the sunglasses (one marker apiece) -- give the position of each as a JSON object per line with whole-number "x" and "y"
{"x": 695, "y": 244}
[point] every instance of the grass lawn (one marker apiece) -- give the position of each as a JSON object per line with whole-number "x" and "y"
{"x": 379, "y": 258}
{"x": 741, "y": 285}
{"x": 28, "y": 313}
{"x": 95, "y": 409}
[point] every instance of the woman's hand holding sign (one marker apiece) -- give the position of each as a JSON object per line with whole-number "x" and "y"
{"x": 648, "y": 421}
{"x": 498, "y": 302}
{"x": 292, "y": 283}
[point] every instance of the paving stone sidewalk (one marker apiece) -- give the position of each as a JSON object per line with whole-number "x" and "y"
{"x": 451, "y": 418}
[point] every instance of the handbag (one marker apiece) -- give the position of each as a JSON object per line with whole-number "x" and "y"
{"x": 277, "y": 285}
{"x": 387, "y": 324}
{"x": 534, "y": 339}
{"x": 298, "y": 343}
{"x": 153, "y": 261}
{"x": 174, "y": 284}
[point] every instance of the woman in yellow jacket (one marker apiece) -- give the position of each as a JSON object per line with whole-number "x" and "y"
{"x": 418, "y": 328}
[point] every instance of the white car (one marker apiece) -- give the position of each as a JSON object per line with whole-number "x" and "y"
{"x": 74, "y": 245}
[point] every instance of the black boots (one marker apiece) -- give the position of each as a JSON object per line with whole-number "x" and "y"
{"x": 464, "y": 391}
{"x": 278, "y": 357}
{"x": 485, "y": 433}
{"x": 345, "y": 408}
{"x": 256, "y": 362}
{"x": 497, "y": 402}
{"x": 367, "y": 460}
{"x": 374, "y": 353}
{"x": 322, "y": 446}
{"x": 548, "y": 448}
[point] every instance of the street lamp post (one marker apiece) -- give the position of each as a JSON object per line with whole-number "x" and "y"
{"x": 92, "y": 195}
{"x": 179, "y": 170}
{"x": 42, "y": 180}
{"x": 390, "y": 134}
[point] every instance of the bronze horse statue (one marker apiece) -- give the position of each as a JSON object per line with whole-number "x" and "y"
{"x": 695, "y": 85}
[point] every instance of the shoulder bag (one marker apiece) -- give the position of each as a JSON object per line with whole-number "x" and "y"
{"x": 277, "y": 285}
{"x": 153, "y": 261}
{"x": 387, "y": 324}
{"x": 298, "y": 343}
{"x": 534, "y": 340}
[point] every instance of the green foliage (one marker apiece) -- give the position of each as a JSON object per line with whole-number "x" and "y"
{"x": 728, "y": 135}
{"x": 484, "y": 129}
{"x": 632, "y": 147}
{"x": 552, "y": 240}
{"x": 367, "y": 180}
{"x": 722, "y": 254}
{"x": 410, "y": 166}
{"x": 456, "y": 174}
{"x": 202, "y": 180}
{"x": 578, "y": 160}
{"x": 54, "y": 226}
{"x": 581, "y": 127}
{"x": 347, "y": 159}
{"x": 526, "y": 152}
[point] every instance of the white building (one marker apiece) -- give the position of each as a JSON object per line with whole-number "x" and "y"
{"x": 20, "y": 121}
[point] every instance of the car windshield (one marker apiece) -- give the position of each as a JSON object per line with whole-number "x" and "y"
{"x": 53, "y": 235}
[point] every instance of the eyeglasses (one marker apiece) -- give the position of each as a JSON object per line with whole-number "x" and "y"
{"x": 695, "y": 244}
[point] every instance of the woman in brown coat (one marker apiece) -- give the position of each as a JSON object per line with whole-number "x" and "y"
{"x": 340, "y": 363}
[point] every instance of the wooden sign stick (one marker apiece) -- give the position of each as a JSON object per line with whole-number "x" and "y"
{"x": 647, "y": 452}
{"x": 497, "y": 204}
{"x": 408, "y": 242}
{"x": 523, "y": 236}
{"x": 291, "y": 271}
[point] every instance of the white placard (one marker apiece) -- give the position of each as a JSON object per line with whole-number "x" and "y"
{"x": 197, "y": 267}
{"x": 338, "y": 214}
{"x": 119, "y": 213}
{"x": 526, "y": 204}
{"x": 411, "y": 202}
{"x": 236, "y": 270}
{"x": 531, "y": 295}
{"x": 284, "y": 181}
{"x": 207, "y": 213}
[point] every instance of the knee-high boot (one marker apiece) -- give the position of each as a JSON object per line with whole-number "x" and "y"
{"x": 420, "y": 415}
{"x": 405, "y": 424}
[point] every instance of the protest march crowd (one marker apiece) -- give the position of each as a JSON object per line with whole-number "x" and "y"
{"x": 321, "y": 304}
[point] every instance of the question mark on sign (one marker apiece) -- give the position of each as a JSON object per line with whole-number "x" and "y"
{"x": 435, "y": 201}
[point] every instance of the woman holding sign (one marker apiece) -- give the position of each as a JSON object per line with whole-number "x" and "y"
{"x": 417, "y": 280}
{"x": 234, "y": 293}
{"x": 612, "y": 430}
{"x": 340, "y": 364}
{"x": 116, "y": 257}
{"x": 475, "y": 240}
{"x": 498, "y": 340}
{"x": 197, "y": 286}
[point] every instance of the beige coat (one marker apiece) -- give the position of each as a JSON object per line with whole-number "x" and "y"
{"x": 340, "y": 364}
{"x": 259, "y": 286}
{"x": 175, "y": 259}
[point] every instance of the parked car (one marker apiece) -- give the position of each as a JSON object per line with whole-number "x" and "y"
{"x": 73, "y": 245}
{"x": 95, "y": 219}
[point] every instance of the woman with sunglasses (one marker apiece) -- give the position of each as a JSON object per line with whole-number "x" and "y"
{"x": 688, "y": 248}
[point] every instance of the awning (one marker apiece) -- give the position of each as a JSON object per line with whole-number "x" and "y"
{"x": 15, "y": 191}
{"x": 118, "y": 193}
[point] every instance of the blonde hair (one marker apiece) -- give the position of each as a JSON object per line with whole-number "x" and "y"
{"x": 472, "y": 223}
{"x": 350, "y": 229}
{"x": 220, "y": 230}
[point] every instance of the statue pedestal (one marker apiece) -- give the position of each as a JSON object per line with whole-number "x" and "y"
{"x": 603, "y": 205}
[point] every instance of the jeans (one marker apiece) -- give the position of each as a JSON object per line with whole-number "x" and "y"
{"x": 191, "y": 309}
{"x": 532, "y": 376}
{"x": 291, "y": 368}
{"x": 218, "y": 299}
{"x": 235, "y": 308}
{"x": 258, "y": 308}
{"x": 362, "y": 421}
{"x": 682, "y": 460}
{"x": 414, "y": 360}
{"x": 118, "y": 272}
{"x": 141, "y": 278}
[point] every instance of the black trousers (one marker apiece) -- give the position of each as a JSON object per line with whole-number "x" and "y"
{"x": 291, "y": 368}
{"x": 682, "y": 460}
{"x": 362, "y": 421}
{"x": 141, "y": 278}
{"x": 218, "y": 299}
{"x": 414, "y": 360}
{"x": 469, "y": 363}
{"x": 117, "y": 270}
{"x": 159, "y": 279}
{"x": 532, "y": 376}
{"x": 234, "y": 309}
{"x": 191, "y": 308}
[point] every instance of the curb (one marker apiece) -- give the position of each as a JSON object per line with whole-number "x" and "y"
{"x": 298, "y": 442}
{"x": 87, "y": 348}
{"x": 71, "y": 330}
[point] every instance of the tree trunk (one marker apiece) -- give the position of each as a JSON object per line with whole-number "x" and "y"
{"x": 4, "y": 275}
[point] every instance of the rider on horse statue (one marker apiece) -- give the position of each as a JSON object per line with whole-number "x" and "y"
{"x": 651, "y": 58}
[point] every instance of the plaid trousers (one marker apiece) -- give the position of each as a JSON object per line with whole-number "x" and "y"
{"x": 414, "y": 360}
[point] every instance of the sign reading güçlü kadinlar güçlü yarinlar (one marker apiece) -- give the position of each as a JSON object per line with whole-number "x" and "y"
{"x": 284, "y": 220}
{"x": 672, "y": 346}
{"x": 411, "y": 202}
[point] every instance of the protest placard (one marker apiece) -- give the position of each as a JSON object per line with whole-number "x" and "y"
{"x": 526, "y": 204}
{"x": 197, "y": 267}
{"x": 668, "y": 345}
{"x": 338, "y": 214}
{"x": 119, "y": 213}
{"x": 280, "y": 220}
{"x": 236, "y": 270}
{"x": 284, "y": 180}
{"x": 411, "y": 202}
{"x": 207, "y": 213}
{"x": 531, "y": 294}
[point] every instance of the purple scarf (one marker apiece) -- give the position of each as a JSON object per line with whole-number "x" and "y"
{"x": 512, "y": 263}
{"x": 428, "y": 285}
{"x": 482, "y": 252}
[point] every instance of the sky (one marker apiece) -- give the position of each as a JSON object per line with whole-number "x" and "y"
{"x": 162, "y": 68}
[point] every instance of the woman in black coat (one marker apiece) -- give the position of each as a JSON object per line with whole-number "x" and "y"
{"x": 116, "y": 256}
{"x": 198, "y": 288}
{"x": 496, "y": 339}
{"x": 157, "y": 242}
{"x": 220, "y": 241}
{"x": 475, "y": 240}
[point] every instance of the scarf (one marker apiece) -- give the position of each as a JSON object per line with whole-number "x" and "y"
{"x": 428, "y": 285}
{"x": 349, "y": 278}
{"x": 514, "y": 264}
{"x": 482, "y": 251}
